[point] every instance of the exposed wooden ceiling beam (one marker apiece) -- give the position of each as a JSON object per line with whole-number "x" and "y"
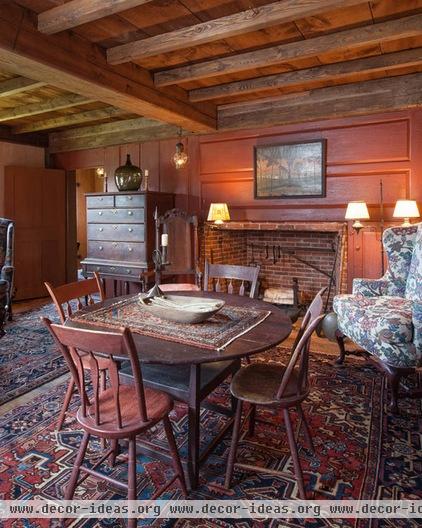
{"x": 37, "y": 140}
{"x": 77, "y": 12}
{"x": 379, "y": 95}
{"x": 69, "y": 62}
{"x": 330, "y": 72}
{"x": 68, "y": 120}
{"x": 116, "y": 133}
{"x": 224, "y": 27}
{"x": 352, "y": 38}
{"x": 124, "y": 125}
{"x": 18, "y": 85}
{"x": 49, "y": 105}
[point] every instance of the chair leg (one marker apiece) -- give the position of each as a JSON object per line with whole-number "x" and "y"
{"x": 340, "y": 342}
{"x": 65, "y": 406}
{"x": 294, "y": 453}
{"x": 175, "y": 454}
{"x": 306, "y": 429}
{"x": 71, "y": 486}
{"x": 251, "y": 425}
{"x": 233, "y": 404}
{"x": 115, "y": 452}
{"x": 131, "y": 492}
{"x": 233, "y": 447}
{"x": 394, "y": 377}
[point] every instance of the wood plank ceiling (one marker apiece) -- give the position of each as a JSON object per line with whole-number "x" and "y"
{"x": 72, "y": 68}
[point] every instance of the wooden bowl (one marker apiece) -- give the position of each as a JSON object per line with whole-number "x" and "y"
{"x": 181, "y": 309}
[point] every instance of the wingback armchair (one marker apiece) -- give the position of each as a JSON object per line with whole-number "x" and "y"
{"x": 6, "y": 264}
{"x": 384, "y": 316}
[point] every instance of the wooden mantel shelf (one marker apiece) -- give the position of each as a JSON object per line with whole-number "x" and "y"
{"x": 319, "y": 227}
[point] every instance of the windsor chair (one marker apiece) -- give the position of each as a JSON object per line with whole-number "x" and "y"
{"x": 76, "y": 294}
{"x": 120, "y": 412}
{"x": 230, "y": 272}
{"x": 279, "y": 386}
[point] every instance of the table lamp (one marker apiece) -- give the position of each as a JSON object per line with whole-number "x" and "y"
{"x": 218, "y": 213}
{"x": 406, "y": 209}
{"x": 357, "y": 211}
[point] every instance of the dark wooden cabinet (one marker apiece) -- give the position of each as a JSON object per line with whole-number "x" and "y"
{"x": 121, "y": 232}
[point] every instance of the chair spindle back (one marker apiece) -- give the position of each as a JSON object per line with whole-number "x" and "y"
{"x": 229, "y": 273}
{"x": 75, "y": 343}
{"x": 75, "y": 291}
{"x": 300, "y": 350}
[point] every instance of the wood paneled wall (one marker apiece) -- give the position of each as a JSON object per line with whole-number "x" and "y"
{"x": 360, "y": 152}
{"x": 14, "y": 154}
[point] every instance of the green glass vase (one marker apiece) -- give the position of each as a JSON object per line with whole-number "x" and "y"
{"x": 128, "y": 177}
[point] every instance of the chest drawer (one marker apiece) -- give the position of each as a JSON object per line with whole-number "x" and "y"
{"x": 99, "y": 201}
{"x": 131, "y": 272}
{"x": 114, "y": 232}
{"x": 130, "y": 200}
{"x": 126, "y": 251}
{"x": 113, "y": 216}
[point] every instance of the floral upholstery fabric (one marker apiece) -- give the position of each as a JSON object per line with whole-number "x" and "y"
{"x": 3, "y": 238}
{"x": 6, "y": 255}
{"x": 383, "y": 326}
{"x": 398, "y": 245}
{"x": 417, "y": 324}
{"x": 384, "y": 316}
{"x": 414, "y": 280}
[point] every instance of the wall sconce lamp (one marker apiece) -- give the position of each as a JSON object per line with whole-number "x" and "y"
{"x": 218, "y": 213}
{"x": 357, "y": 211}
{"x": 101, "y": 173}
{"x": 406, "y": 209}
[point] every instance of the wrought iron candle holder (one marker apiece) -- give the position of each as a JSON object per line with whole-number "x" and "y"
{"x": 159, "y": 257}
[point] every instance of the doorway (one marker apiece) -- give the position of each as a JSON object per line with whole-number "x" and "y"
{"x": 87, "y": 181}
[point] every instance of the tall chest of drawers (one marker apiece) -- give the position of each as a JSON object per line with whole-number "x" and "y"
{"x": 121, "y": 232}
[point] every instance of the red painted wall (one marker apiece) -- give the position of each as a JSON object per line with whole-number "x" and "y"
{"x": 360, "y": 152}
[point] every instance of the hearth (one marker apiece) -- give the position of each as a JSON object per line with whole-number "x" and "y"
{"x": 312, "y": 253}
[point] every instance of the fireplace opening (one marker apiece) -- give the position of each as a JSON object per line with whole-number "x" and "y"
{"x": 296, "y": 259}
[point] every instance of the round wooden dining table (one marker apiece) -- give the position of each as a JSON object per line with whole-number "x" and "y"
{"x": 189, "y": 373}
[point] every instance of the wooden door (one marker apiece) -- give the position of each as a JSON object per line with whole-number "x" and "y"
{"x": 35, "y": 199}
{"x": 87, "y": 181}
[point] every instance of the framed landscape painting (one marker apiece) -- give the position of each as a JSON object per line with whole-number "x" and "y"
{"x": 290, "y": 170}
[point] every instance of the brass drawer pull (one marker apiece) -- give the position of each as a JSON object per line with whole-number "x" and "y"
{"x": 112, "y": 268}
{"x": 100, "y": 229}
{"x": 130, "y": 213}
{"x": 115, "y": 227}
{"x": 130, "y": 229}
{"x": 101, "y": 198}
{"x": 130, "y": 249}
{"x": 100, "y": 213}
{"x": 129, "y": 271}
{"x": 129, "y": 197}
{"x": 98, "y": 268}
{"x": 100, "y": 248}
{"x": 114, "y": 244}
{"x": 114, "y": 211}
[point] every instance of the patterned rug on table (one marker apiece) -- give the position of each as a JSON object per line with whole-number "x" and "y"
{"x": 361, "y": 452}
{"x": 28, "y": 356}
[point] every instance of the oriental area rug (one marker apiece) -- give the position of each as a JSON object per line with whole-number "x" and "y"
{"x": 362, "y": 451}
{"x": 28, "y": 356}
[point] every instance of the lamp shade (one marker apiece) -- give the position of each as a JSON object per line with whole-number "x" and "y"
{"x": 218, "y": 213}
{"x": 357, "y": 211}
{"x": 406, "y": 209}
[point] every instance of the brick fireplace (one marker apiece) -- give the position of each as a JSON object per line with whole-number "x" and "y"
{"x": 284, "y": 251}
